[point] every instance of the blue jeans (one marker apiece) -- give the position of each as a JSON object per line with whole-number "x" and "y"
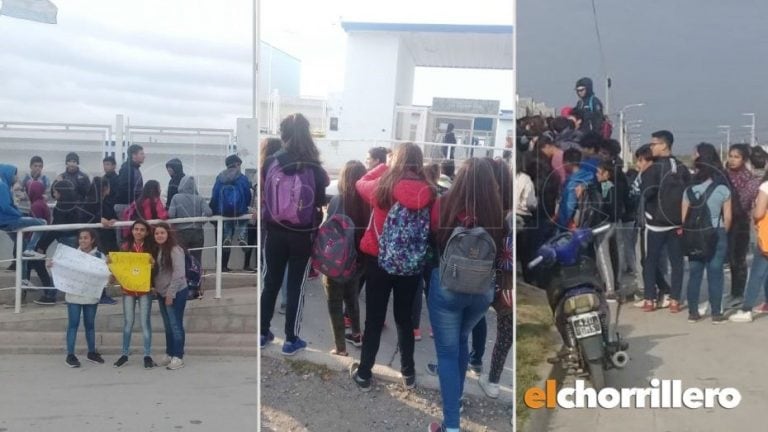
{"x": 89, "y": 320}
{"x": 173, "y": 322}
{"x": 129, "y": 313}
{"x": 715, "y": 277}
{"x": 479, "y": 336}
{"x": 235, "y": 230}
{"x": 453, "y": 316}
{"x": 758, "y": 277}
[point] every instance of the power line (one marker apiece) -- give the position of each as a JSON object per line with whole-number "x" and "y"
{"x": 599, "y": 40}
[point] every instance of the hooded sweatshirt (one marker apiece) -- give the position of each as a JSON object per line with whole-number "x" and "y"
{"x": 231, "y": 177}
{"x": 591, "y": 107}
{"x": 568, "y": 200}
{"x": 168, "y": 282}
{"x": 173, "y": 184}
{"x": 410, "y": 193}
{"x": 188, "y": 203}
{"x": 38, "y": 206}
{"x": 8, "y": 211}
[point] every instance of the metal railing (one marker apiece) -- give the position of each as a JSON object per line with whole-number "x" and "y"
{"x": 71, "y": 227}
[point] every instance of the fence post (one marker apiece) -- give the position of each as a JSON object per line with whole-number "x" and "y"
{"x": 19, "y": 268}
{"x": 219, "y": 254}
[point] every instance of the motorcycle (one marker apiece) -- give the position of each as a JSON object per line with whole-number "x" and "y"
{"x": 577, "y": 298}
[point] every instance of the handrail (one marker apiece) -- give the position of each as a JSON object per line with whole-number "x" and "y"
{"x": 68, "y": 227}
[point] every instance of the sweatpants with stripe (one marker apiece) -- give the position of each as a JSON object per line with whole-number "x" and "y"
{"x": 292, "y": 249}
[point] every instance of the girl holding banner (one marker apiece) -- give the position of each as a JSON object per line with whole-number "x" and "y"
{"x": 172, "y": 293}
{"x": 141, "y": 243}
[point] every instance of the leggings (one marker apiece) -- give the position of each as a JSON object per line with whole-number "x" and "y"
{"x": 504, "y": 326}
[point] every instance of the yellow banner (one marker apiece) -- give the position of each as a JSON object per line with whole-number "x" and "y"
{"x": 132, "y": 270}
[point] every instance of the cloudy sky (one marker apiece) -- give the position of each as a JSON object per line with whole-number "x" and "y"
{"x": 695, "y": 64}
{"x": 188, "y": 62}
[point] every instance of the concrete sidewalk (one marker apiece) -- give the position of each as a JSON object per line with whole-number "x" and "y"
{"x": 316, "y": 330}
{"x": 666, "y": 346}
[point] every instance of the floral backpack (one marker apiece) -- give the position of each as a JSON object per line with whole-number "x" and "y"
{"x": 404, "y": 240}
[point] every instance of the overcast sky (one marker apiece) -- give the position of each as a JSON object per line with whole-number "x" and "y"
{"x": 188, "y": 62}
{"x": 695, "y": 64}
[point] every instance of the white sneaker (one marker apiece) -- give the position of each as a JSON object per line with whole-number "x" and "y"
{"x": 165, "y": 361}
{"x": 665, "y": 301}
{"x": 704, "y": 308}
{"x": 33, "y": 254}
{"x": 176, "y": 363}
{"x": 491, "y": 389}
{"x": 639, "y": 303}
{"x": 741, "y": 316}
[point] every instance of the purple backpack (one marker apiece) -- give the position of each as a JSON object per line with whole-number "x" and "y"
{"x": 289, "y": 198}
{"x": 334, "y": 252}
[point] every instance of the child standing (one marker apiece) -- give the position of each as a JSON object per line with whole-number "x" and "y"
{"x": 171, "y": 287}
{"x": 138, "y": 241}
{"x": 79, "y": 304}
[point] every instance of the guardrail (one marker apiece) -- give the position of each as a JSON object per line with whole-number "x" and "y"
{"x": 67, "y": 227}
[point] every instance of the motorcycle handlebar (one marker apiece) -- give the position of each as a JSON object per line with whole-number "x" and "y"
{"x": 536, "y": 261}
{"x": 600, "y": 230}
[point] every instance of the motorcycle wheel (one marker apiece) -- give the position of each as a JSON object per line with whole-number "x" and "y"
{"x": 596, "y": 374}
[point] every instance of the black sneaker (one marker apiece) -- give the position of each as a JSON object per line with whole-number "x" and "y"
{"x": 409, "y": 382}
{"x": 694, "y": 318}
{"x": 95, "y": 357}
{"x": 718, "y": 319}
{"x": 148, "y": 362}
{"x": 363, "y": 384}
{"x": 72, "y": 361}
{"x": 121, "y": 361}
{"x": 354, "y": 339}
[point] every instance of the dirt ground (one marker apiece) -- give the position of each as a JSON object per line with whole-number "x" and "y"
{"x": 297, "y": 396}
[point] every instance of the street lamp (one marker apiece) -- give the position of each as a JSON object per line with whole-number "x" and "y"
{"x": 623, "y": 133}
{"x": 752, "y": 141}
{"x": 727, "y": 132}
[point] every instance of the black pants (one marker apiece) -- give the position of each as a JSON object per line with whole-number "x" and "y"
{"x": 656, "y": 243}
{"x": 253, "y": 236}
{"x": 193, "y": 238}
{"x": 738, "y": 243}
{"x": 378, "y": 286}
{"x": 285, "y": 248}
{"x": 225, "y": 252}
{"x": 661, "y": 281}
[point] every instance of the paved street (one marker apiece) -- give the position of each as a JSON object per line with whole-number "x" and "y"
{"x": 40, "y": 393}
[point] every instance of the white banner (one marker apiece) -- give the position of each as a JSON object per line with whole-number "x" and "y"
{"x": 76, "y": 272}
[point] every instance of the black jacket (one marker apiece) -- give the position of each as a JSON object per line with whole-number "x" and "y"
{"x": 591, "y": 108}
{"x": 661, "y": 190}
{"x": 129, "y": 184}
{"x": 173, "y": 184}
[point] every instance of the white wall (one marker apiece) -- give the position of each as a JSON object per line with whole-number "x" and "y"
{"x": 406, "y": 69}
{"x": 370, "y": 86}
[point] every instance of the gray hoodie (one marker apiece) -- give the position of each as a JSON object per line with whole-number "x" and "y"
{"x": 187, "y": 203}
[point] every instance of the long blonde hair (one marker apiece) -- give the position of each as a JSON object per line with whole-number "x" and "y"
{"x": 407, "y": 162}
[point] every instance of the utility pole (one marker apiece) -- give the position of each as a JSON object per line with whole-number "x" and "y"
{"x": 626, "y": 155}
{"x": 753, "y": 141}
{"x": 726, "y": 129}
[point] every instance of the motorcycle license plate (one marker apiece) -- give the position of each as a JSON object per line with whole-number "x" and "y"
{"x": 586, "y": 325}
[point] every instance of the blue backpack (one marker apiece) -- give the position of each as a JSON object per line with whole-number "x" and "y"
{"x": 231, "y": 197}
{"x": 404, "y": 240}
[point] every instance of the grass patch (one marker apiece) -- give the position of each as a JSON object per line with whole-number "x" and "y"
{"x": 534, "y": 342}
{"x": 303, "y": 367}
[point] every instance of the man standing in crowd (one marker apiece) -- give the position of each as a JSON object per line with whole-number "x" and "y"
{"x": 73, "y": 174}
{"x": 129, "y": 180}
{"x": 376, "y": 157}
{"x": 662, "y": 187}
{"x": 176, "y": 171}
{"x": 449, "y": 138}
{"x": 589, "y": 105}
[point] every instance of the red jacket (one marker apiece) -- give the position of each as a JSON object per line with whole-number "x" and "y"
{"x": 145, "y": 211}
{"x": 412, "y": 194}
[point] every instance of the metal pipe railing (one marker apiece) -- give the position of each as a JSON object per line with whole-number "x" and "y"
{"x": 71, "y": 227}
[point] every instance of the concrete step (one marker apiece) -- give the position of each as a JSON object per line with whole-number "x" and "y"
{"x": 235, "y": 313}
{"x": 110, "y": 343}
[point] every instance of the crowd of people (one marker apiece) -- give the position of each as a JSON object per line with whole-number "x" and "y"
{"x": 32, "y": 199}
{"x": 391, "y": 230}
{"x": 570, "y": 174}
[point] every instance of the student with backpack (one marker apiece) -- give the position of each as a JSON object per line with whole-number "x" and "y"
{"x": 87, "y": 306}
{"x": 336, "y": 254}
{"x": 706, "y": 215}
{"x": 170, "y": 285}
{"x": 395, "y": 244}
{"x": 578, "y": 180}
{"x": 230, "y": 198}
{"x": 294, "y": 192}
{"x": 468, "y": 223}
{"x": 185, "y": 204}
{"x": 140, "y": 240}
{"x": 662, "y": 188}
{"x": 758, "y": 272}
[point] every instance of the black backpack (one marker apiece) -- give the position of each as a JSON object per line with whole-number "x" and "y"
{"x": 670, "y": 197}
{"x": 591, "y": 208}
{"x": 699, "y": 236}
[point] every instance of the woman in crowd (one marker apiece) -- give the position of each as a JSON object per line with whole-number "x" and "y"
{"x": 187, "y": 203}
{"x": 402, "y": 182}
{"x": 171, "y": 288}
